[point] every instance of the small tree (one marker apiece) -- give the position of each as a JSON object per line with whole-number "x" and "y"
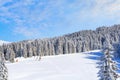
{"x": 108, "y": 67}
{"x": 3, "y": 68}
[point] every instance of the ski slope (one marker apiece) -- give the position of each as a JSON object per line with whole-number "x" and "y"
{"x": 79, "y": 66}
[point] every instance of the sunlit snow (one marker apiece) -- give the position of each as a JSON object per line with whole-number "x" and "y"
{"x": 79, "y": 66}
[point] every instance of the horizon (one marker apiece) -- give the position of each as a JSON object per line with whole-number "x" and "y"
{"x": 29, "y": 19}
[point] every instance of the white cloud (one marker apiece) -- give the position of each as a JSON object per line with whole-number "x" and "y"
{"x": 95, "y": 13}
{"x": 26, "y": 15}
{"x": 29, "y": 32}
{"x": 33, "y": 14}
{"x": 107, "y": 8}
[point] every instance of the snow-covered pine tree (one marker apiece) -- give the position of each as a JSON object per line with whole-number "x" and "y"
{"x": 108, "y": 67}
{"x": 3, "y": 68}
{"x": 117, "y": 50}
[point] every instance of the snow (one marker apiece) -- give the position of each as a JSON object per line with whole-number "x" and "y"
{"x": 78, "y": 66}
{"x": 3, "y": 42}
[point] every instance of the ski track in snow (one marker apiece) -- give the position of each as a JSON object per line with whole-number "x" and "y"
{"x": 79, "y": 66}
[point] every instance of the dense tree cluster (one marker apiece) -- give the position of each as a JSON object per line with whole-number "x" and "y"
{"x": 72, "y": 43}
{"x": 3, "y": 68}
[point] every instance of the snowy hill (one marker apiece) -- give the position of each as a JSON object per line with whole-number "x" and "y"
{"x": 62, "y": 67}
{"x": 3, "y": 42}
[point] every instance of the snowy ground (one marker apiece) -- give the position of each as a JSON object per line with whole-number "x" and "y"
{"x": 77, "y": 66}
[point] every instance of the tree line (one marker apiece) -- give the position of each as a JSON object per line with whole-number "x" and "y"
{"x": 71, "y": 43}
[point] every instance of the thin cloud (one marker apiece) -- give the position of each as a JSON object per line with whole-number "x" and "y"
{"x": 29, "y": 32}
{"x": 108, "y": 8}
{"x": 95, "y": 12}
{"x": 37, "y": 16}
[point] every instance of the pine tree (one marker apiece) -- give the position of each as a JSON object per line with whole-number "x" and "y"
{"x": 3, "y": 68}
{"x": 71, "y": 43}
{"x": 108, "y": 67}
{"x": 12, "y": 56}
{"x": 116, "y": 50}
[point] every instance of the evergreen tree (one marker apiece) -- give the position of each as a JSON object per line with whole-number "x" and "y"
{"x": 116, "y": 50}
{"x": 71, "y": 43}
{"x": 12, "y": 56}
{"x": 3, "y": 68}
{"x": 108, "y": 67}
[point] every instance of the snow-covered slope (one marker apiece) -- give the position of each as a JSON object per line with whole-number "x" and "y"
{"x": 3, "y": 42}
{"x": 62, "y": 67}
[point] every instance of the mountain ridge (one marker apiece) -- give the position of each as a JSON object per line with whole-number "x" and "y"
{"x": 3, "y": 42}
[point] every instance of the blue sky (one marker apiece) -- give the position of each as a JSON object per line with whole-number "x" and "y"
{"x": 31, "y": 19}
